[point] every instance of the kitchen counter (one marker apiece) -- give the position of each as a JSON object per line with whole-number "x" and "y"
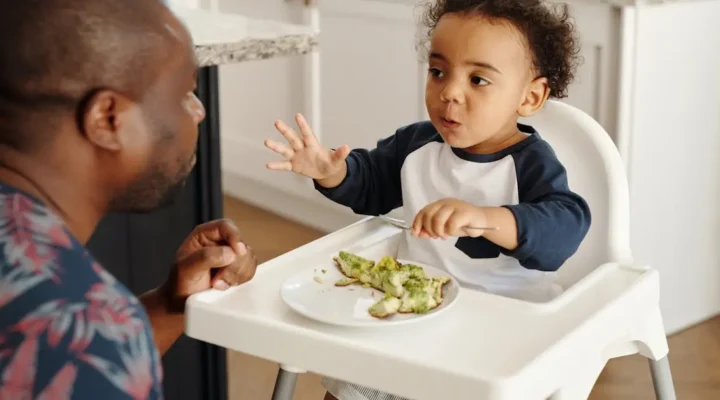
{"x": 222, "y": 38}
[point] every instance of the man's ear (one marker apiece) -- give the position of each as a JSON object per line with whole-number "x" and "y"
{"x": 536, "y": 95}
{"x": 103, "y": 116}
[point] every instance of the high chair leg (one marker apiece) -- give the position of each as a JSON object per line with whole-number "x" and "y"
{"x": 662, "y": 379}
{"x": 284, "y": 385}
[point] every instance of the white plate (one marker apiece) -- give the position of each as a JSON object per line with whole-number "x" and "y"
{"x": 312, "y": 293}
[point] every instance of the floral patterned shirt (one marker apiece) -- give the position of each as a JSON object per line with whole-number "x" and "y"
{"x": 68, "y": 329}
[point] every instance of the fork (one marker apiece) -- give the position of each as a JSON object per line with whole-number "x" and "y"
{"x": 402, "y": 225}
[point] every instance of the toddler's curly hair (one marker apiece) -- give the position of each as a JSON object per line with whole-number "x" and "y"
{"x": 550, "y": 33}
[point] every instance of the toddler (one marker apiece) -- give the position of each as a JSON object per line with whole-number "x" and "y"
{"x": 472, "y": 164}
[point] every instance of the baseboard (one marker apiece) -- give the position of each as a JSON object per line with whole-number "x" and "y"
{"x": 688, "y": 324}
{"x": 310, "y": 210}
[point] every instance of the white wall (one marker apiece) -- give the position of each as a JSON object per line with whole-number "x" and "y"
{"x": 674, "y": 156}
{"x": 255, "y": 94}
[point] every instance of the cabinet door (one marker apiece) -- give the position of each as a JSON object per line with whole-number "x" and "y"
{"x": 372, "y": 78}
{"x": 595, "y": 89}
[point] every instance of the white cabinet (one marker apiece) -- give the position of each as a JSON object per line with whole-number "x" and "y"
{"x": 372, "y": 81}
{"x": 673, "y": 155}
{"x": 595, "y": 89}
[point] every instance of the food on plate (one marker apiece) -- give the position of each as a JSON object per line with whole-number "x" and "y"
{"x": 406, "y": 286}
{"x": 386, "y": 307}
{"x": 352, "y": 265}
{"x": 345, "y": 281}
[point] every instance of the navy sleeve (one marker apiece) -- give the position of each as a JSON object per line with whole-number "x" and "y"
{"x": 372, "y": 185}
{"x": 552, "y": 220}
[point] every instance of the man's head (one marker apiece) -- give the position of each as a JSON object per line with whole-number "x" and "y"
{"x": 492, "y": 61}
{"x": 108, "y": 87}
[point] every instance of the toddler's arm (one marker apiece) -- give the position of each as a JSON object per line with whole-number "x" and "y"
{"x": 551, "y": 220}
{"x": 368, "y": 181}
{"x": 372, "y": 183}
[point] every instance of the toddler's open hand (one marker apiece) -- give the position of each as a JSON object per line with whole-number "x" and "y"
{"x": 304, "y": 154}
{"x": 448, "y": 217}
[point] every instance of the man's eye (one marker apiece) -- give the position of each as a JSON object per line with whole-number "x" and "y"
{"x": 435, "y": 72}
{"x": 476, "y": 80}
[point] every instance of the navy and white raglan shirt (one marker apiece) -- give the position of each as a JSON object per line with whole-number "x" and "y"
{"x": 414, "y": 168}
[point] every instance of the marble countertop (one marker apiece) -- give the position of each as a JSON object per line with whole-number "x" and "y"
{"x": 222, "y": 38}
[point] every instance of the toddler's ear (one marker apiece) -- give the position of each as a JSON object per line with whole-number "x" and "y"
{"x": 536, "y": 93}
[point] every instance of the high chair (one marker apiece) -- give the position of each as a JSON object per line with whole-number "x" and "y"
{"x": 485, "y": 346}
{"x": 595, "y": 171}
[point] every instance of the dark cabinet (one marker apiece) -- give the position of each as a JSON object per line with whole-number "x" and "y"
{"x": 138, "y": 249}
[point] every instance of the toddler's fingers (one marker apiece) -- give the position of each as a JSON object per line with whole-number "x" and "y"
{"x": 280, "y": 166}
{"x": 289, "y": 135}
{"x": 440, "y": 220}
{"x": 307, "y": 133}
{"x": 417, "y": 224}
{"x": 279, "y": 148}
{"x": 455, "y": 225}
{"x": 341, "y": 153}
{"x": 427, "y": 221}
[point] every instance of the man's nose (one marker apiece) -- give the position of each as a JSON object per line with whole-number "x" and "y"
{"x": 198, "y": 109}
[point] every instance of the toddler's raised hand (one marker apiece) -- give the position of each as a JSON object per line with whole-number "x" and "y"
{"x": 305, "y": 155}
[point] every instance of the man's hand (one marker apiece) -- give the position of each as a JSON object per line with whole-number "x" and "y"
{"x": 305, "y": 155}
{"x": 214, "y": 255}
{"x": 449, "y": 217}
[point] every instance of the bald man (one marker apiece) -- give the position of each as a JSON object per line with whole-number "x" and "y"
{"x": 97, "y": 115}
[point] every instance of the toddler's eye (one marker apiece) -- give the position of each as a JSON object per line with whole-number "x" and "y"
{"x": 476, "y": 80}
{"x": 436, "y": 72}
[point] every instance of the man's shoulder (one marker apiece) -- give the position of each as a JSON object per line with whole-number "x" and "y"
{"x": 34, "y": 242}
{"x": 64, "y": 313}
{"x": 40, "y": 260}
{"x": 27, "y": 223}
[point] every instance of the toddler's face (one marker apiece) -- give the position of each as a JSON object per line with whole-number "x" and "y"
{"x": 480, "y": 74}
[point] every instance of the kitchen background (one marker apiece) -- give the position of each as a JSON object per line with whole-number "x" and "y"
{"x": 651, "y": 77}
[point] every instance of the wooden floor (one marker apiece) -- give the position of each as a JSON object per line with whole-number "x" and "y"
{"x": 695, "y": 352}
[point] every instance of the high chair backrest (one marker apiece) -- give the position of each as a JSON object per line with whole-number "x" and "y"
{"x": 596, "y": 172}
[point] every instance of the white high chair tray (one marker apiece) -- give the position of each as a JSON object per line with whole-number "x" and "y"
{"x": 485, "y": 346}
{"x": 312, "y": 293}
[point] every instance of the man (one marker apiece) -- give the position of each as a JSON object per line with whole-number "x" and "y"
{"x": 97, "y": 114}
